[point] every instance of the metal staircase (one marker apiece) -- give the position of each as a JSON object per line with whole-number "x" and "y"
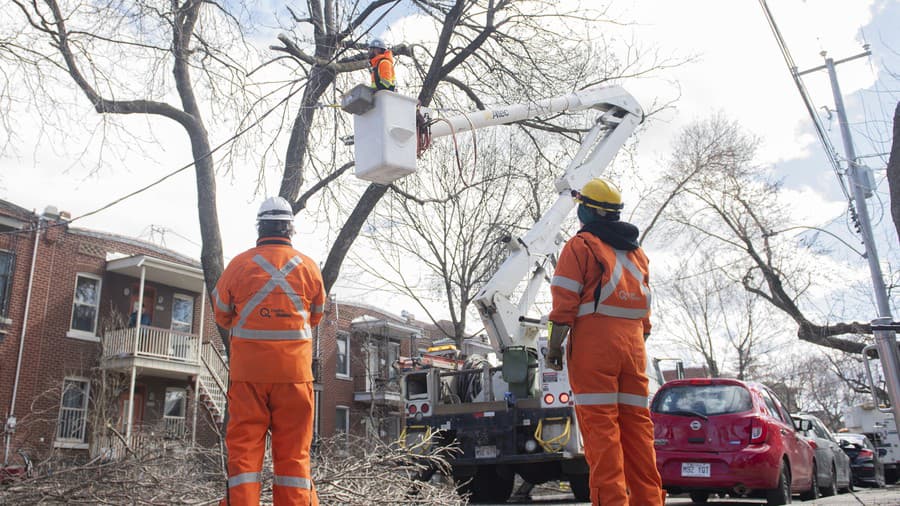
{"x": 213, "y": 381}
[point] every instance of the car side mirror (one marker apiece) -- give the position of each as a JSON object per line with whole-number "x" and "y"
{"x": 844, "y": 443}
{"x": 802, "y": 425}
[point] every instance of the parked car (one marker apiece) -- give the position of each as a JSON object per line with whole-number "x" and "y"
{"x": 832, "y": 463}
{"x": 865, "y": 461}
{"x": 728, "y": 436}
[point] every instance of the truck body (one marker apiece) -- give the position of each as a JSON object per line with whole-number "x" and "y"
{"x": 881, "y": 429}
{"x": 511, "y": 415}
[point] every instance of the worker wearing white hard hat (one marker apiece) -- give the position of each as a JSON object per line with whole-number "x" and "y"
{"x": 381, "y": 60}
{"x": 270, "y": 297}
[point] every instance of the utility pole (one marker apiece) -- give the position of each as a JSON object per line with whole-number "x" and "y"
{"x": 885, "y": 336}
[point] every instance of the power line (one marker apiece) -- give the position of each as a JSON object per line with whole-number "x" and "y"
{"x": 830, "y": 152}
{"x": 220, "y": 145}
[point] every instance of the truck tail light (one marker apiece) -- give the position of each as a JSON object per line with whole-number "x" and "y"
{"x": 758, "y": 431}
{"x": 412, "y": 409}
{"x": 548, "y": 399}
{"x": 425, "y": 408}
{"x": 564, "y": 398}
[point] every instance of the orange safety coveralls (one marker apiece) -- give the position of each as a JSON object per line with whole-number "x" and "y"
{"x": 603, "y": 294}
{"x": 382, "y": 71}
{"x": 270, "y": 297}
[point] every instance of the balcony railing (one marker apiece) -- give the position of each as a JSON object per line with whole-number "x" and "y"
{"x": 174, "y": 426}
{"x": 154, "y": 342}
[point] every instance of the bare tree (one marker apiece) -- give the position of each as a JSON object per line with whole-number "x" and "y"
{"x": 734, "y": 204}
{"x": 116, "y": 54}
{"x": 520, "y": 48}
{"x": 443, "y": 234}
{"x": 893, "y": 172}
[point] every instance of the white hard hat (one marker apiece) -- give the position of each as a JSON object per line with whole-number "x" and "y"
{"x": 377, "y": 43}
{"x": 275, "y": 209}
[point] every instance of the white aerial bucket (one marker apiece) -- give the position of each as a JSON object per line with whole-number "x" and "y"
{"x": 385, "y": 138}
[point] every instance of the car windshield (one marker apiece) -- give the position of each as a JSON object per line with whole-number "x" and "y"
{"x": 702, "y": 400}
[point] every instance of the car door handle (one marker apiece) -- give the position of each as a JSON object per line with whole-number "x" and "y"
{"x": 784, "y": 431}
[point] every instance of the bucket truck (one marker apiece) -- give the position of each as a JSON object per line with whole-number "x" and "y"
{"x": 511, "y": 416}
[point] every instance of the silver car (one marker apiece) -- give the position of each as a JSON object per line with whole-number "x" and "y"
{"x": 832, "y": 464}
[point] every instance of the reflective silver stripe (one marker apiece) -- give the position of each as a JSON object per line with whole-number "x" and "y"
{"x": 596, "y": 399}
{"x": 633, "y": 400}
{"x": 219, "y": 304}
{"x": 240, "y": 479}
{"x": 566, "y": 283}
{"x": 613, "y": 282}
{"x": 607, "y": 399}
{"x": 585, "y": 309}
{"x": 277, "y": 279}
{"x": 317, "y": 308}
{"x": 272, "y": 335}
{"x": 292, "y": 481}
{"x": 622, "y": 263}
{"x": 622, "y": 312}
{"x": 622, "y": 257}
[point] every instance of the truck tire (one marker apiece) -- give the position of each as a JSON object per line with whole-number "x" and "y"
{"x": 488, "y": 486}
{"x": 581, "y": 488}
{"x": 781, "y": 494}
{"x": 891, "y": 475}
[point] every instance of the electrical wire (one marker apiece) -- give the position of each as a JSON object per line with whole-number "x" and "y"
{"x": 227, "y": 141}
{"x": 830, "y": 152}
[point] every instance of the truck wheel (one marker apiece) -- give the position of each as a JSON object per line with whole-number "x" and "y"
{"x": 782, "y": 493}
{"x": 581, "y": 488}
{"x": 488, "y": 485}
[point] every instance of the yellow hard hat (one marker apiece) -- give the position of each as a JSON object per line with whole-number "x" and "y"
{"x": 600, "y": 194}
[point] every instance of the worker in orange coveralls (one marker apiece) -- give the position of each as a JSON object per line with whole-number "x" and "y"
{"x": 600, "y": 291}
{"x": 270, "y": 297}
{"x": 381, "y": 60}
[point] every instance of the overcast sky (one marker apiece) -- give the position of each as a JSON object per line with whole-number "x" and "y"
{"x": 737, "y": 70}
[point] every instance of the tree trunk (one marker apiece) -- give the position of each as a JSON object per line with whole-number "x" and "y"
{"x": 893, "y": 172}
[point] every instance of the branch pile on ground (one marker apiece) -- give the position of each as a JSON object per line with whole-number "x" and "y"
{"x": 348, "y": 472}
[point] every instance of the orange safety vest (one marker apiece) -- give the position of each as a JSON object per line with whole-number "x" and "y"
{"x": 270, "y": 297}
{"x": 592, "y": 277}
{"x": 382, "y": 71}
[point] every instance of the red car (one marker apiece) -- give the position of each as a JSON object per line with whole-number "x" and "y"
{"x": 729, "y": 436}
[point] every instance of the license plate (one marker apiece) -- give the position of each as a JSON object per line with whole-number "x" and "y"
{"x": 486, "y": 452}
{"x": 694, "y": 470}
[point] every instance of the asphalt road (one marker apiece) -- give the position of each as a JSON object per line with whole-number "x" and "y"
{"x": 888, "y": 496}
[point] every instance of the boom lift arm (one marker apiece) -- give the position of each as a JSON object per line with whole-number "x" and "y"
{"x": 529, "y": 255}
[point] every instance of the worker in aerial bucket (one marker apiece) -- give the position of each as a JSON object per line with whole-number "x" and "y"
{"x": 601, "y": 292}
{"x": 381, "y": 60}
{"x": 270, "y": 297}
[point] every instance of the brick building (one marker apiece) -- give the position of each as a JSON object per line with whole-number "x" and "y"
{"x": 72, "y": 297}
{"x": 357, "y": 388}
{"x": 69, "y": 296}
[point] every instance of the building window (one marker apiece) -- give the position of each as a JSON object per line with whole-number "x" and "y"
{"x": 6, "y": 269}
{"x": 174, "y": 411}
{"x": 343, "y": 358}
{"x": 86, "y": 304}
{"x": 73, "y": 411}
{"x": 393, "y": 357}
{"x": 183, "y": 313}
{"x": 341, "y": 420}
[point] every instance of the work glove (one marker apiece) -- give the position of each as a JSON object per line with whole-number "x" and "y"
{"x": 554, "y": 358}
